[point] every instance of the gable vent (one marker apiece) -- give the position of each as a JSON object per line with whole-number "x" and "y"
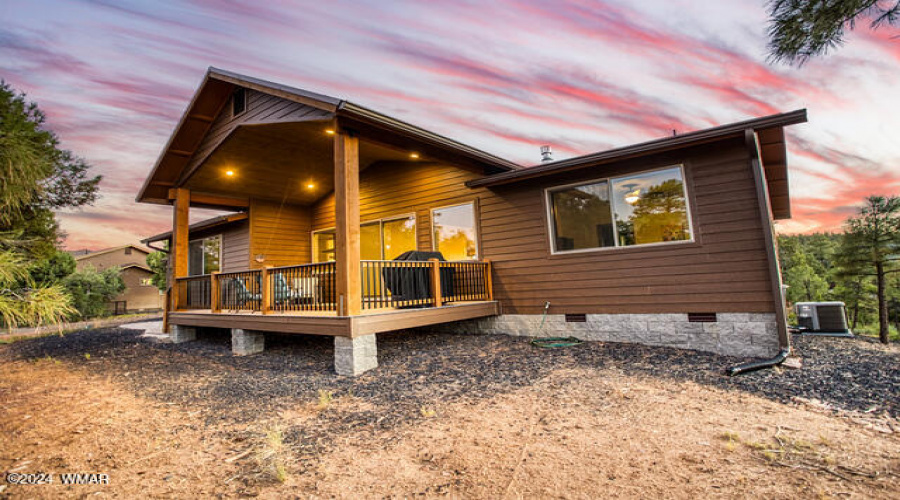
{"x": 238, "y": 101}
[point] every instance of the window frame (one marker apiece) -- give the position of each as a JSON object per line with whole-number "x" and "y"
{"x": 475, "y": 215}
{"x": 221, "y": 240}
{"x": 380, "y": 221}
{"x": 551, "y": 229}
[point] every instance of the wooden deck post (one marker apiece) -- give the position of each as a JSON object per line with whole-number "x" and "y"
{"x": 346, "y": 211}
{"x": 488, "y": 280}
{"x": 215, "y": 305}
{"x": 179, "y": 251}
{"x": 265, "y": 302}
{"x": 436, "y": 282}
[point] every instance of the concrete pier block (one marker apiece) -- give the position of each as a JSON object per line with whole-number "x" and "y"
{"x": 353, "y": 356}
{"x": 180, "y": 334}
{"x": 244, "y": 342}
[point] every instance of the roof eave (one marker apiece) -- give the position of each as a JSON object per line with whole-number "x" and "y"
{"x": 361, "y": 113}
{"x": 649, "y": 147}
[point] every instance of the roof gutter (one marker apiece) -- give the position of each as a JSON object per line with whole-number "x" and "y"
{"x": 765, "y": 212}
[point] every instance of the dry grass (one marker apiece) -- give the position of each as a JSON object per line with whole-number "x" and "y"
{"x": 576, "y": 433}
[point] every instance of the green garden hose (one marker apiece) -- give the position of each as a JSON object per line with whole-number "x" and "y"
{"x": 552, "y": 342}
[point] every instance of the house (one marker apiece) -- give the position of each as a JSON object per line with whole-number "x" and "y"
{"x": 140, "y": 294}
{"x": 666, "y": 242}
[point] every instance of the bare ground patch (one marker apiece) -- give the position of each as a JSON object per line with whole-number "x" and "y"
{"x": 444, "y": 415}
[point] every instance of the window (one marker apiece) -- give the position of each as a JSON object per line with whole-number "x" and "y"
{"x": 645, "y": 208}
{"x": 146, "y": 281}
{"x": 398, "y": 236}
{"x": 204, "y": 255}
{"x": 238, "y": 101}
{"x": 454, "y": 233}
{"x": 383, "y": 239}
{"x": 323, "y": 246}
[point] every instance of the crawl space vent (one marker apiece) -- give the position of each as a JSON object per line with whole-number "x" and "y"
{"x": 702, "y": 317}
{"x": 576, "y": 318}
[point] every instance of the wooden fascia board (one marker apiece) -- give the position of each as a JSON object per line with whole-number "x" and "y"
{"x": 184, "y": 117}
{"x": 273, "y": 89}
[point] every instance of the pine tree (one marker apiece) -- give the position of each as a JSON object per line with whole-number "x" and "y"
{"x": 801, "y": 29}
{"x": 871, "y": 247}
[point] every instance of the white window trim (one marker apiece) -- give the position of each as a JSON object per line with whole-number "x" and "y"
{"x": 551, "y": 230}
{"x": 381, "y": 221}
{"x": 221, "y": 247}
{"x": 474, "y": 216}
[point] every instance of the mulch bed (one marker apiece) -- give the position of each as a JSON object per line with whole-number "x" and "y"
{"x": 427, "y": 368}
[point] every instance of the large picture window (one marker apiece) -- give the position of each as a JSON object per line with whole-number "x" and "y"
{"x": 454, "y": 232}
{"x": 204, "y": 255}
{"x": 639, "y": 209}
{"x": 383, "y": 239}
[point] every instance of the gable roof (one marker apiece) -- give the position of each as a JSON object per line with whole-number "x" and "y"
{"x": 138, "y": 266}
{"x": 110, "y": 250}
{"x": 214, "y": 92}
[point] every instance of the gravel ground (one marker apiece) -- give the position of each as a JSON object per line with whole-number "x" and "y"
{"x": 846, "y": 374}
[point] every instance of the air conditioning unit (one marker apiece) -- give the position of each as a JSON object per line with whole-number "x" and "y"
{"x": 822, "y": 318}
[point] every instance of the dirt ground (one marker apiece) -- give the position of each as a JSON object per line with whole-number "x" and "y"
{"x": 477, "y": 417}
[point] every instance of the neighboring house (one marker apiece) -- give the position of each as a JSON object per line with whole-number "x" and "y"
{"x": 666, "y": 242}
{"x": 140, "y": 294}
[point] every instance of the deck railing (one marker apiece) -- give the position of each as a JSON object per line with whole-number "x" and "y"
{"x": 391, "y": 283}
{"x": 312, "y": 287}
{"x": 388, "y": 283}
{"x": 471, "y": 281}
{"x": 238, "y": 291}
{"x": 309, "y": 287}
{"x": 193, "y": 292}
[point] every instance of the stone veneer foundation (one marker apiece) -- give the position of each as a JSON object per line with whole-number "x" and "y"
{"x": 733, "y": 334}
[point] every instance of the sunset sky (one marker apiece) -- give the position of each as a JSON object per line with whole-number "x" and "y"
{"x": 114, "y": 76}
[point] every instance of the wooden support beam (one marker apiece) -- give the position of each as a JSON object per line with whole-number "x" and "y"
{"x": 178, "y": 152}
{"x": 436, "y": 282}
{"x": 346, "y": 210}
{"x": 214, "y": 200}
{"x": 180, "y": 236}
{"x": 215, "y": 303}
{"x": 265, "y": 292}
{"x": 488, "y": 280}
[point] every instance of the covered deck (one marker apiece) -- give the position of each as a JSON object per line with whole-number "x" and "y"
{"x": 287, "y": 163}
{"x": 302, "y": 299}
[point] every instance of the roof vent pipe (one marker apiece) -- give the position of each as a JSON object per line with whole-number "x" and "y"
{"x": 546, "y": 154}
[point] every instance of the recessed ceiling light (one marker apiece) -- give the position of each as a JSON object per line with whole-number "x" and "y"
{"x": 329, "y": 131}
{"x": 310, "y": 185}
{"x": 414, "y": 155}
{"x": 229, "y": 173}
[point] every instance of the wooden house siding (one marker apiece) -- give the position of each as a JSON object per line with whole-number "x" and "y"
{"x": 236, "y": 247}
{"x": 724, "y": 270}
{"x": 280, "y": 233}
{"x": 392, "y": 189}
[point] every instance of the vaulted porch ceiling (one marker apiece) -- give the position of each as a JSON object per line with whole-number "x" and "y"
{"x": 290, "y": 162}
